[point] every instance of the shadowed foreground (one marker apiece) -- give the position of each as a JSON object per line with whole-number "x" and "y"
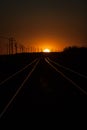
{"x": 45, "y": 86}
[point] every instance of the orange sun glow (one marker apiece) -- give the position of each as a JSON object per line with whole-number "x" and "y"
{"x": 46, "y": 50}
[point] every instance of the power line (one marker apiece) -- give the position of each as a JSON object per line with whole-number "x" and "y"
{"x": 13, "y": 47}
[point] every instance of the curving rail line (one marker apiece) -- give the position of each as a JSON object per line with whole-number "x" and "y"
{"x": 13, "y": 75}
{"x": 50, "y": 62}
{"x": 22, "y": 84}
{"x": 34, "y": 64}
{"x": 66, "y": 68}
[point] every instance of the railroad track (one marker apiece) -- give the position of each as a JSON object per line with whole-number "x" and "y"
{"x": 41, "y": 81}
{"x": 10, "y": 87}
{"x": 77, "y": 79}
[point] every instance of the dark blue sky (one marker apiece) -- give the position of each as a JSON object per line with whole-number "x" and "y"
{"x": 32, "y": 21}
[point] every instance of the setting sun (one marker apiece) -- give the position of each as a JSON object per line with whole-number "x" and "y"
{"x": 46, "y": 50}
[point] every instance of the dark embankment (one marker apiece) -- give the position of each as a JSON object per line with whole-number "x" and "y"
{"x": 72, "y": 57}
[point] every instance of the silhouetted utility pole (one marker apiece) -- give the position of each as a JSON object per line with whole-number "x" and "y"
{"x": 31, "y": 49}
{"x": 8, "y": 48}
{"x": 11, "y": 40}
{"x": 27, "y": 50}
{"x": 22, "y": 49}
{"x": 6, "y": 38}
{"x": 37, "y": 49}
{"x": 12, "y": 45}
{"x": 16, "y": 48}
{"x": 41, "y": 50}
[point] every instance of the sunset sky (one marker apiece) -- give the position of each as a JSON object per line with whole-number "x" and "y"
{"x": 52, "y": 24}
